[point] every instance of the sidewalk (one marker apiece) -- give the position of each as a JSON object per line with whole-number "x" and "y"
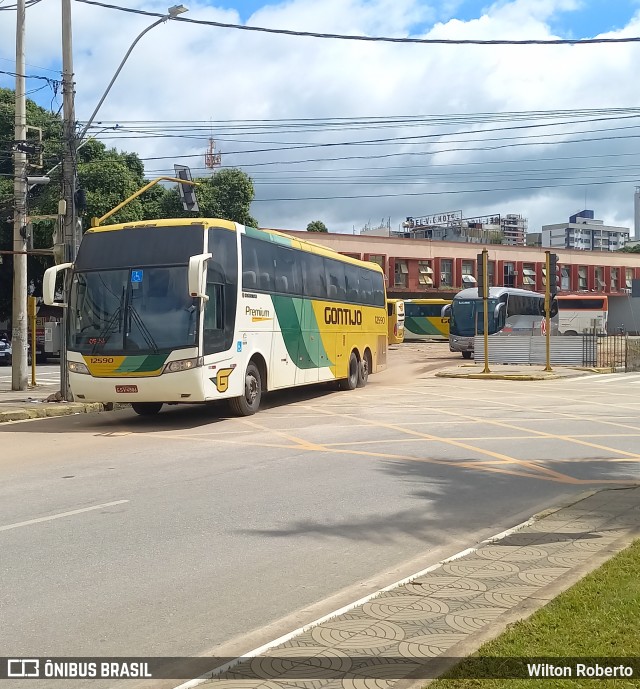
{"x": 511, "y": 372}
{"x": 32, "y": 404}
{"x": 416, "y": 630}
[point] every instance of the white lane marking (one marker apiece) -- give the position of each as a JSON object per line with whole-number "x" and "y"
{"x": 608, "y": 378}
{"x": 301, "y": 630}
{"x": 17, "y": 525}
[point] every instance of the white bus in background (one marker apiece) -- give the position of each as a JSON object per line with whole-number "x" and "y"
{"x": 511, "y": 312}
{"x": 580, "y": 313}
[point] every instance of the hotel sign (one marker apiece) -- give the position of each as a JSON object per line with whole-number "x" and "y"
{"x": 446, "y": 218}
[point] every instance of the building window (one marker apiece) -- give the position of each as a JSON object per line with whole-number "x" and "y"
{"x": 377, "y": 258}
{"x": 509, "y": 277}
{"x": 401, "y": 275}
{"x": 528, "y": 276}
{"x": 446, "y": 272}
{"x": 565, "y": 279}
{"x": 582, "y": 277}
{"x": 599, "y": 278}
{"x": 491, "y": 273}
{"x": 614, "y": 280}
{"x": 628, "y": 277}
{"x": 468, "y": 279}
{"x": 425, "y": 273}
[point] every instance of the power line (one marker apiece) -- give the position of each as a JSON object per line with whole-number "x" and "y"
{"x": 380, "y": 39}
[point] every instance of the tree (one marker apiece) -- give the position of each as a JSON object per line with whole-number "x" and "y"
{"x": 108, "y": 177}
{"x": 227, "y": 194}
{"x": 635, "y": 249}
{"x": 317, "y": 226}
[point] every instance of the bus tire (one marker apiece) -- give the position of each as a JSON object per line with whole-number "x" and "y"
{"x": 249, "y": 403}
{"x": 466, "y": 355}
{"x": 146, "y": 408}
{"x": 364, "y": 369}
{"x": 570, "y": 333}
{"x": 351, "y": 381}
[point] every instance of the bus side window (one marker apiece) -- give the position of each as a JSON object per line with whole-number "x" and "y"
{"x": 314, "y": 277}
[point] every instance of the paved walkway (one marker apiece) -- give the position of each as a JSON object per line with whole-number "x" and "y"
{"x": 448, "y": 611}
{"x": 32, "y": 404}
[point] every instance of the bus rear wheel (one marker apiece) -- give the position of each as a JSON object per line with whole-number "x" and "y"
{"x": 351, "y": 381}
{"x": 364, "y": 369}
{"x": 466, "y": 355}
{"x": 249, "y": 403}
{"x": 146, "y": 408}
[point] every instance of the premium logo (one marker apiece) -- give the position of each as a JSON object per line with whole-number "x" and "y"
{"x": 258, "y": 314}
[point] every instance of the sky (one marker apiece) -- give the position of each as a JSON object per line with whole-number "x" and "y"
{"x": 355, "y": 133}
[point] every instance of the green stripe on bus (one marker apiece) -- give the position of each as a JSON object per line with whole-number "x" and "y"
{"x": 267, "y": 236}
{"x": 291, "y": 312}
{"x": 142, "y": 364}
{"x": 420, "y": 326}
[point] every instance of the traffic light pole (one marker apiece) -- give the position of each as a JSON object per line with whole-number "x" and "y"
{"x": 485, "y": 307}
{"x": 547, "y": 309}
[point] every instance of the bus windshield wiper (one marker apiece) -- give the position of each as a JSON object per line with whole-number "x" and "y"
{"x": 148, "y": 337}
{"x": 117, "y": 315}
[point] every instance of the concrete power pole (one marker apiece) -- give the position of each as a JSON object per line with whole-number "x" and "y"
{"x": 19, "y": 339}
{"x": 70, "y": 230}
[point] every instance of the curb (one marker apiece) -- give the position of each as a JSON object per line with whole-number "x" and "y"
{"x": 500, "y": 376}
{"x": 45, "y": 411}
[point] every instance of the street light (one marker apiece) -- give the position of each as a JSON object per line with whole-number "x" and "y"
{"x": 172, "y": 13}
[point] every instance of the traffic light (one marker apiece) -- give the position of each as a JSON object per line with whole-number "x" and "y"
{"x": 187, "y": 191}
{"x": 480, "y": 271}
{"x": 554, "y": 274}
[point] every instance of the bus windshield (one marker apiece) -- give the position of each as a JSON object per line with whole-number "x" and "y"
{"x": 465, "y": 313}
{"x": 132, "y": 311}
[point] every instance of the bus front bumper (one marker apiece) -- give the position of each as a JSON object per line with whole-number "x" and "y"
{"x": 183, "y": 386}
{"x": 460, "y": 344}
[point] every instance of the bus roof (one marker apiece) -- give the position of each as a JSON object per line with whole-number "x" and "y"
{"x": 444, "y": 302}
{"x": 581, "y": 295}
{"x": 294, "y": 242}
{"x": 495, "y": 292}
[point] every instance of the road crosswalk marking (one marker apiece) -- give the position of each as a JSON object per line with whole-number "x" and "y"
{"x": 604, "y": 378}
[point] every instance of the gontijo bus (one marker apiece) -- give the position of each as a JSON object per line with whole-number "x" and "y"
{"x": 182, "y": 311}
{"x": 426, "y": 318}
{"x": 395, "y": 320}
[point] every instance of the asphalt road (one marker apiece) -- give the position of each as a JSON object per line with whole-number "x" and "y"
{"x": 191, "y": 532}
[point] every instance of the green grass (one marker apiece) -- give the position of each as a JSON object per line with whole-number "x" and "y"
{"x": 598, "y": 617}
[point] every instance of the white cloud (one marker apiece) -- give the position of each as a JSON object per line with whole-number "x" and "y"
{"x": 182, "y": 72}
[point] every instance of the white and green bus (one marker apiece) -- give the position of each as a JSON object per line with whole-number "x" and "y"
{"x": 184, "y": 311}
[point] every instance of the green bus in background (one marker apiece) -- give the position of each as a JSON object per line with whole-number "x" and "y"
{"x": 425, "y": 319}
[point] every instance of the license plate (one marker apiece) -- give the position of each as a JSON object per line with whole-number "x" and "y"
{"x": 126, "y": 388}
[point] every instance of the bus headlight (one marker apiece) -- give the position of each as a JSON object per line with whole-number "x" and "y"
{"x": 182, "y": 365}
{"x": 77, "y": 367}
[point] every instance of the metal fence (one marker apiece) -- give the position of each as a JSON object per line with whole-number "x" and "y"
{"x": 591, "y": 350}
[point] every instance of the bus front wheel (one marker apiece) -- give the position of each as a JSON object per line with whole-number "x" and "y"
{"x": 466, "y": 355}
{"x": 146, "y": 408}
{"x": 351, "y": 382}
{"x": 248, "y": 404}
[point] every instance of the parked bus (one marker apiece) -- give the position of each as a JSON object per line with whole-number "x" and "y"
{"x": 395, "y": 320}
{"x": 426, "y": 319}
{"x": 511, "y": 311}
{"x": 579, "y": 313}
{"x": 182, "y": 311}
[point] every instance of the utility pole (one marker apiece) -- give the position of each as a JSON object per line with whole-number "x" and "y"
{"x": 19, "y": 375}
{"x": 70, "y": 231}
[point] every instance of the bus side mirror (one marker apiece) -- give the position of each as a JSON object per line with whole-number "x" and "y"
{"x": 49, "y": 284}
{"x": 197, "y": 287}
{"x": 499, "y": 315}
{"x": 446, "y": 311}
